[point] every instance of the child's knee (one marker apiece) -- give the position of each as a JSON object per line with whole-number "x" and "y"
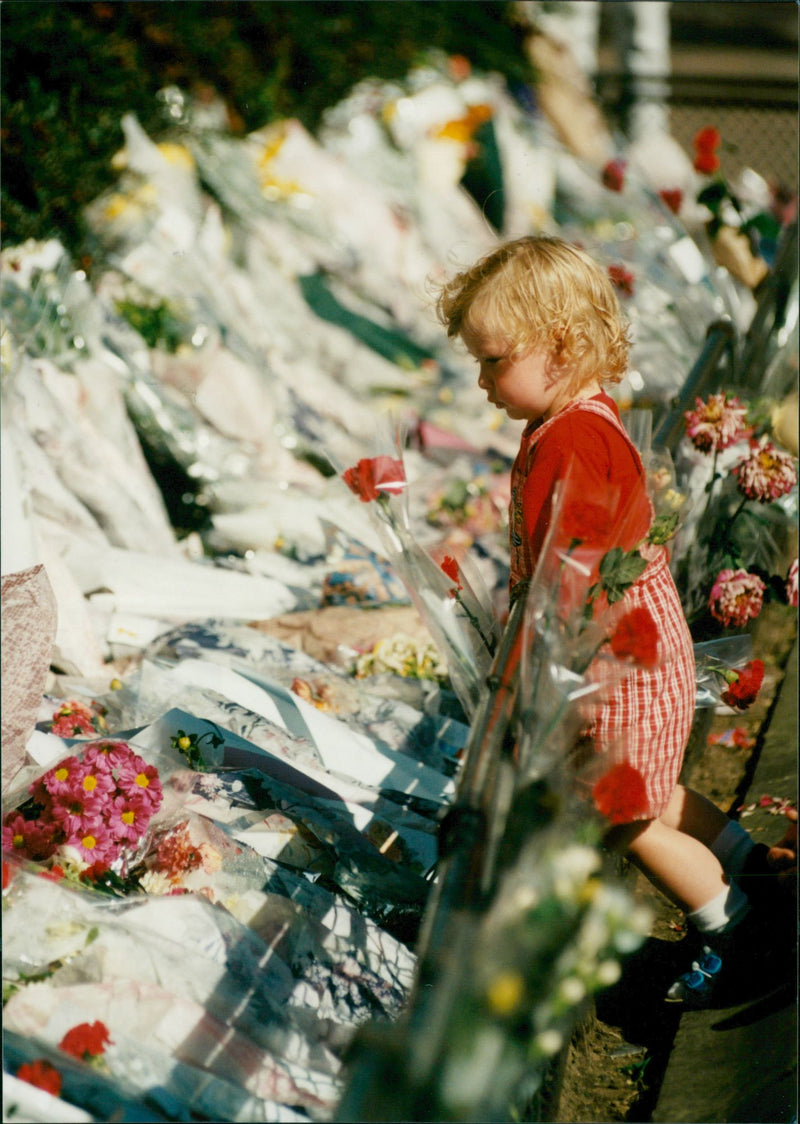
{"x": 623, "y": 837}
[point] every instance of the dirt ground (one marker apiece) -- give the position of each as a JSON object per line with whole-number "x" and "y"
{"x": 618, "y": 1055}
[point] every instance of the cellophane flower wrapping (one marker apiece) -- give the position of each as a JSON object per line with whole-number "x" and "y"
{"x": 461, "y": 622}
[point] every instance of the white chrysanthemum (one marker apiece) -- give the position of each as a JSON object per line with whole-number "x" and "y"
{"x": 572, "y": 868}
{"x": 572, "y": 990}
{"x": 548, "y": 1042}
{"x": 608, "y": 972}
{"x": 154, "y": 882}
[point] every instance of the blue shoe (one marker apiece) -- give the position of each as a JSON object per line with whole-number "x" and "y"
{"x": 695, "y": 988}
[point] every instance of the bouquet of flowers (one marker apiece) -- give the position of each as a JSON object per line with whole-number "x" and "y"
{"x": 739, "y": 538}
{"x": 460, "y": 621}
{"x": 727, "y": 674}
{"x": 87, "y": 814}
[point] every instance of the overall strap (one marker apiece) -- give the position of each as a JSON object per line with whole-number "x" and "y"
{"x": 592, "y": 406}
{"x": 604, "y": 411}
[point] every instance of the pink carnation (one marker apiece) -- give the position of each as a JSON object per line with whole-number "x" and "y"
{"x": 717, "y": 423}
{"x": 766, "y": 473}
{"x": 791, "y": 585}
{"x": 736, "y": 597}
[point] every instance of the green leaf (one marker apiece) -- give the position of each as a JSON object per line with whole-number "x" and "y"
{"x": 618, "y": 571}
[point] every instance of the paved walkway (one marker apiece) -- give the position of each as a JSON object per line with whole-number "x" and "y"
{"x": 739, "y": 1065}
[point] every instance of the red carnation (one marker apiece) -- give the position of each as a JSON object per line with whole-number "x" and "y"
{"x": 707, "y": 139}
{"x": 373, "y": 476}
{"x": 614, "y": 175}
{"x": 621, "y": 279}
{"x": 86, "y": 1040}
{"x": 41, "y": 1074}
{"x": 673, "y": 198}
{"x": 706, "y": 162}
{"x": 636, "y": 636}
{"x": 620, "y": 795}
{"x": 584, "y": 522}
{"x": 449, "y": 566}
{"x": 743, "y": 691}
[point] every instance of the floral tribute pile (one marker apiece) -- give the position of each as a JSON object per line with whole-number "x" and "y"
{"x": 275, "y": 623}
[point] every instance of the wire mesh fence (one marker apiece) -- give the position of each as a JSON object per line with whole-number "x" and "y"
{"x": 756, "y": 118}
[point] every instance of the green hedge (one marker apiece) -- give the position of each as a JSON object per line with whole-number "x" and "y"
{"x": 71, "y": 70}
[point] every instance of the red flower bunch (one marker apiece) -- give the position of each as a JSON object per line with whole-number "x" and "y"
{"x": 744, "y": 685}
{"x": 86, "y": 1040}
{"x": 636, "y": 636}
{"x": 613, "y": 175}
{"x": 372, "y": 477}
{"x": 74, "y": 720}
{"x": 706, "y": 143}
{"x": 622, "y": 279}
{"x": 620, "y": 795}
{"x": 41, "y": 1074}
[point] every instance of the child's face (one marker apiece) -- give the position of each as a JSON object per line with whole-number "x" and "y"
{"x": 527, "y": 387}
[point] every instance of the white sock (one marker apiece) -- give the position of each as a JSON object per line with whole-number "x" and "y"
{"x": 732, "y": 846}
{"x": 722, "y": 913}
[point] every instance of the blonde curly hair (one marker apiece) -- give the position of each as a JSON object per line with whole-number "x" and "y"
{"x": 541, "y": 291}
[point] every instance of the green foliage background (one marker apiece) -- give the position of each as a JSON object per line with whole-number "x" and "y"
{"x": 71, "y": 70}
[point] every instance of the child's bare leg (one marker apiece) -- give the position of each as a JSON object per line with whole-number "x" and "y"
{"x": 680, "y": 866}
{"x": 690, "y": 812}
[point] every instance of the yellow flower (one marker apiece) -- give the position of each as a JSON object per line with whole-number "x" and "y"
{"x": 176, "y": 154}
{"x": 505, "y": 992}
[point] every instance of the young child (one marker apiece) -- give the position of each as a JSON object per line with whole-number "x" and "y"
{"x": 542, "y": 320}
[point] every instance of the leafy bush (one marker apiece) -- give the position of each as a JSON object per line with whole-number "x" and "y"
{"x": 71, "y": 70}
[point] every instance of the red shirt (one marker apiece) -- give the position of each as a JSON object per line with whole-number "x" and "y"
{"x": 602, "y": 482}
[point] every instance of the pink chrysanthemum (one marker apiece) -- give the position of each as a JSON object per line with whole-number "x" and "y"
{"x": 107, "y": 755}
{"x": 97, "y": 783}
{"x": 766, "y": 473}
{"x": 791, "y": 585}
{"x": 736, "y": 597}
{"x": 29, "y": 838}
{"x": 95, "y": 844}
{"x": 717, "y": 423}
{"x": 76, "y": 814}
{"x": 64, "y": 777}
{"x": 128, "y": 817}
{"x": 136, "y": 777}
